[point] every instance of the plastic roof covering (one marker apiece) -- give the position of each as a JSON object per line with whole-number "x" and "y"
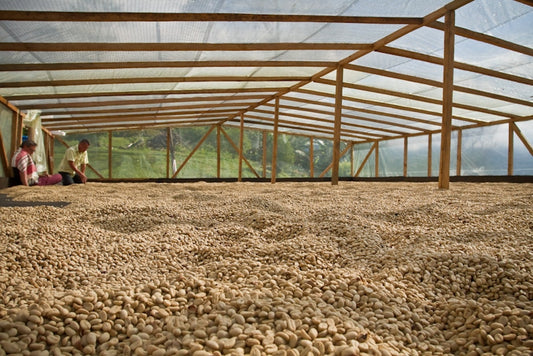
{"x": 393, "y": 90}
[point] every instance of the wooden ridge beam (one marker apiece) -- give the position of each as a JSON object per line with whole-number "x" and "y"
{"x": 85, "y": 104}
{"x": 26, "y": 67}
{"x": 165, "y": 47}
{"x": 140, "y": 93}
{"x": 143, "y": 80}
{"x": 75, "y": 16}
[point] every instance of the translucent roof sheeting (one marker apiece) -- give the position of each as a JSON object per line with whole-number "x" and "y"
{"x": 111, "y": 65}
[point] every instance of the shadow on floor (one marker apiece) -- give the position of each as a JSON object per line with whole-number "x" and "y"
{"x": 6, "y": 201}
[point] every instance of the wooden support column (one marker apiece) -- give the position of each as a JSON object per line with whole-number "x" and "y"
{"x": 110, "y": 154}
{"x": 168, "y": 152}
{"x": 4, "y": 158}
{"x": 16, "y": 131}
{"x": 337, "y": 129}
{"x": 241, "y": 145}
{"x": 275, "y": 142}
{"x": 264, "y": 154}
{"x": 430, "y": 154}
{"x": 351, "y": 160}
{"x": 218, "y": 150}
{"x": 459, "y": 154}
{"x": 447, "y": 101}
{"x": 405, "y": 142}
{"x": 510, "y": 151}
{"x": 311, "y": 157}
{"x": 376, "y": 155}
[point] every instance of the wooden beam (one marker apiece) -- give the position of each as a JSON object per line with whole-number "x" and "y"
{"x": 376, "y": 157}
{"x": 522, "y": 138}
{"x": 482, "y": 37}
{"x": 457, "y": 65}
{"x": 4, "y": 159}
{"x": 337, "y": 126}
{"x": 311, "y": 157}
{"x": 193, "y": 151}
{"x": 143, "y": 80}
{"x": 341, "y": 154}
{"x": 275, "y": 143}
{"x": 110, "y": 154}
{"x": 87, "y": 104}
{"x": 391, "y": 106}
{"x": 147, "y": 109}
{"x": 236, "y": 148}
{"x": 420, "y": 98}
{"x": 27, "y": 67}
{"x": 264, "y": 153}
{"x": 447, "y": 102}
{"x": 510, "y": 149}
{"x": 430, "y": 154}
{"x": 459, "y": 153}
{"x": 218, "y": 151}
{"x": 438, "y": 84}
{"x": 75, "y": 16}
{"x": 241, "y": 145}
{"x": 140, "y": 93}
{"x": 361, "y": 166}
{"x": 166, "y": 47}
{"x": 405, "y": 148}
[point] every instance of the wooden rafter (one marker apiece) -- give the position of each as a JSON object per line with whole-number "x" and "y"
{"x": 186, "y": 46}
{"x": 67, "y": 16}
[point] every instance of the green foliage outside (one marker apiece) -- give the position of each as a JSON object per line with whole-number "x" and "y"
{"x": 143, "y": 154}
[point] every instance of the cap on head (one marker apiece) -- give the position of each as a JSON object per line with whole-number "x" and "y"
{"x": 28, "y": 143}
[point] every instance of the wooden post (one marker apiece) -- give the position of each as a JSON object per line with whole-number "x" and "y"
{"x": 405, "y": 156}
{"x": 168, "y": 152}
{"x": 275, "y": 143}
{"x": 51, "y": 153}
{"x": 311, "y": 157}
{"x": 351, "y": 160}
{"x": 376, "y": 155}
{"x": 337, "y": 129}
{"x": 459, "y": 154}
{"x": 264, "y": 154}
{"x": 4, "y": 158}
{"x": 110, "y": 154}
{"x": 430, "y": 154}
{"x": 218, "y": 151}
{"x": 447, "y": 101}
{"x": 241, "y": 145}
{"x": 510, "y": 151}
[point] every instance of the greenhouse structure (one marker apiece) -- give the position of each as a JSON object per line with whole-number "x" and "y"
{"x": 270, "y": 90}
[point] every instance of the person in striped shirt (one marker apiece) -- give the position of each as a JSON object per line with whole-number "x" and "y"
{"x": 25, "y": 170}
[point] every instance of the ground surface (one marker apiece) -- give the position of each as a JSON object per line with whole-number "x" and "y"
{"x": 256, "y": 268}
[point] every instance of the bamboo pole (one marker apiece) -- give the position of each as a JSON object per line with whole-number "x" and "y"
{"x": 447, "y": 101}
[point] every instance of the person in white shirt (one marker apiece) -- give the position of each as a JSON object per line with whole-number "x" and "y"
{"x": 74, "y": 162}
